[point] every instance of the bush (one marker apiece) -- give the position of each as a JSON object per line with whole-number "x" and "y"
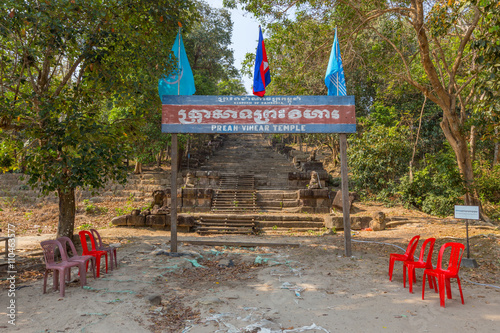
{"x": 379, "y": 157}
{"x": 436, "y": 188}
{"x": 439, "y": 205}
{"x": 488, "y": 181}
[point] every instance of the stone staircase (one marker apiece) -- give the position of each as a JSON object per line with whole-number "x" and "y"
{"x": 138, "y": 188}
{"x": 236, "y": 193}
{"x": 253, "y": 179}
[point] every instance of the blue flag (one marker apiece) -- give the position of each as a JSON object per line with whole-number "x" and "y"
{"x": 181, "y": 81}
{"x": 334, "y": 78}
{"x": 261, "y": 73}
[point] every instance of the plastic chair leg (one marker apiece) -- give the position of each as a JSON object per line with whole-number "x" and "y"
{"x": 55, "y": 279}
{"x": 404, "y": 275}
{"x": 45, "y": 275}
{"x": 98, "y": 266}
{"x": 391, "y": 267}
{"x": 423, "y": 285}
{"x": 448, "y": 288}
{"x": 411, "y": 276}
{"x": 460, "y": 288}
{"x": 62, "y": 284}
{"x": 116, "y": 259}
{"x": 441, "y": 288}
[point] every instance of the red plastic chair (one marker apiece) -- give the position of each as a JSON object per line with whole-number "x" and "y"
{"x": 421, "y": 263}
{"x": 59, "y": 269}
{"x": 110, "y": 249}
{"x": 444, "y": 275}
{"x": 408, "y": 255}
{"x": 94, "y": 252}
{"x": 82, "y": 260}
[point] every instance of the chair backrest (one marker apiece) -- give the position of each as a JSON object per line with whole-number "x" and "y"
{"x": 83, "y": 239}
{"x": 429, "y": 241}
{"x": 64, "y": 242}
{"x": 412, "y": 246}
{"x": 456, "y": 253}
{"x": 96, "y": 236}
{"x": 49, "y": 251}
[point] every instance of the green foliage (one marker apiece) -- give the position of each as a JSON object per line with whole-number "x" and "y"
{"x": 488, "y": 181}
{"x": 67, "y": 67}
{"x": 208, "y": 47}
{"x": 436, "y": 188}
{"x": 85, "y": 226}
{"x": 378, "y": 157}
{"x": 92, "y": 209}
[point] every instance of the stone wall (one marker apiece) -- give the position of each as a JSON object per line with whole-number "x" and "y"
{"x": 138, "y": 187}
{"x": 315, "y": 201}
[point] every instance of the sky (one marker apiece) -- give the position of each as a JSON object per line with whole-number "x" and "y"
{"x": 245, "y": 37}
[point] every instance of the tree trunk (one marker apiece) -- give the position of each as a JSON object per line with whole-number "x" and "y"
{"x": 473, "y": 143}
{"x": 67, "y": 211}
{"x": 496, "y": 157}
{"x": 138, "y": 168}
{"x": 460, "y": 146}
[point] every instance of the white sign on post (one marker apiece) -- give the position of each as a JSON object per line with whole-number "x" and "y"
{"x": 467, "y": 212}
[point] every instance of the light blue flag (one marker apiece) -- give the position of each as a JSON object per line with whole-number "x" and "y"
{"x": 181, "y": 81}
{"x": 334, "y": 78}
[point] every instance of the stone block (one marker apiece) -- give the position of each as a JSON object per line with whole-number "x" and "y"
{"x": 320, "y": 193}
{"x": 185, "y": 220}
{"x": 360, "y": 222}
{"x": 337, "y": 201}
{"x": 137, "y": 220}
{"x": 120, "y": 220}
{"x": 156, "y": 221}
{"x": 305, "y": 193}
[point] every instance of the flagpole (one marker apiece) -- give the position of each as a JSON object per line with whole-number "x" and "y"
{"x": 344, "y": 179}
{"x": 179, "y": 57}
{"x": 173, "y": 181}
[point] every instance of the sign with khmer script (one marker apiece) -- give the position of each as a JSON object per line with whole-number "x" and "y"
{"x": 251, "y": 114}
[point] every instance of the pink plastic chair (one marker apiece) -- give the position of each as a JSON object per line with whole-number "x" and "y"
{"x": 101, "y": 247}
{"x": 93, "y": 252}
{"x": 59, "y": 268}
{"x": 82, "y": 260}
{"x": 408, "y": 255}
{"x": 444, "y": 275}
{"x": 423, "y": 262}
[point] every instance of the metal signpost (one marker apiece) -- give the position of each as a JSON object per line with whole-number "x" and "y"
{"x": 260, "y": 115}
{"x": 467, "y": 213}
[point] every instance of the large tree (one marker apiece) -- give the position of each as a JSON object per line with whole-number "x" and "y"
{"x": 427, "y": 44}
{"x": 208, "y": 47}
{"x": 64, "y": 66}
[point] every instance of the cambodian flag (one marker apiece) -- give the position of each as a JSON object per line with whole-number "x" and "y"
{"x": 261, "y": 74}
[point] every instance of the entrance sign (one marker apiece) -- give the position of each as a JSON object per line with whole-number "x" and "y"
{"x": 467, "y": 212}
{"x": 249, "y": 114}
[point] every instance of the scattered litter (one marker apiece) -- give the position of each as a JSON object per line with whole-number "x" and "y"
{"x": 216, "y": 253}
{"x": 259, "y": 260}
{"x": 194, "y": 263}
{"x": 293, "y": 287}
{"x": 307, "y": 328}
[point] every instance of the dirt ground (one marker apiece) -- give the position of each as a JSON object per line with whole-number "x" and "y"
{"x": 309, "y": 286}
